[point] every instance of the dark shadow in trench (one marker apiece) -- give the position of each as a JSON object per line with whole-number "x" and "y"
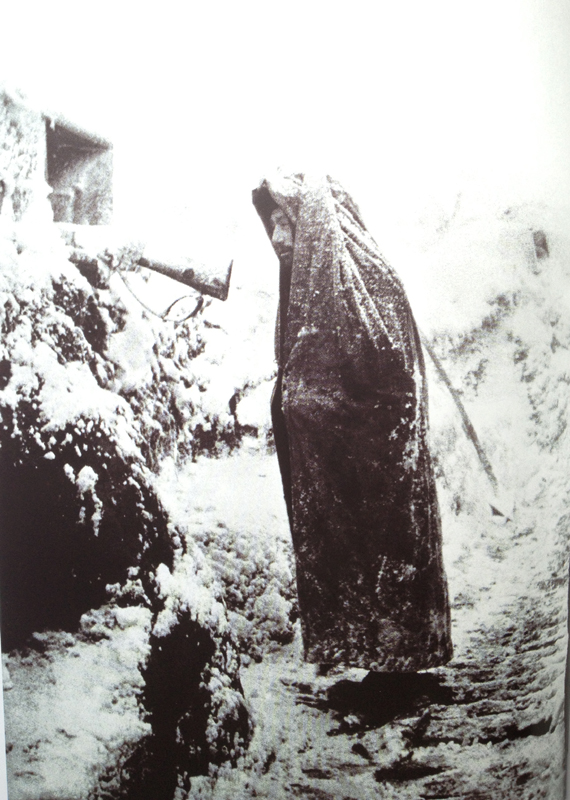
{"x": 380, "y": 698}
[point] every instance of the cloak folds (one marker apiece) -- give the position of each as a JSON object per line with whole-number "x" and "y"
{"x": 350, "y": 421}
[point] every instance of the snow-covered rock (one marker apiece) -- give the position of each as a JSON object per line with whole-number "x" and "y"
{"x": 89, "y": 389}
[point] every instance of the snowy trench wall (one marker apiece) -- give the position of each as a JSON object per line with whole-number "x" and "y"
{"x": 151, "y": 648}
{"x": 94, "y": 393}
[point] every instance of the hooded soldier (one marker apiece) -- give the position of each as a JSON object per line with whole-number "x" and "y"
{"x": 350, "y": 422}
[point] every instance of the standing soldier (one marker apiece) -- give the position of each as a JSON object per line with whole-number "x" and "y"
{"x": 350, "y": 422}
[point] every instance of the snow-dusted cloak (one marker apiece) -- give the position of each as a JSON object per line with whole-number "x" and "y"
{"x": 350, "y": 422}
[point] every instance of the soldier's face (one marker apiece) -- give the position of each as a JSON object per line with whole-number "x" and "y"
{"x": 282, "y": 236}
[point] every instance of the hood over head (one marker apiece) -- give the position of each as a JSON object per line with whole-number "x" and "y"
{"x": 339, "y": 278}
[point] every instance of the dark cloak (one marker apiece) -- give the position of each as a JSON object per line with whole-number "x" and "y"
{"x": 350, "y": 421}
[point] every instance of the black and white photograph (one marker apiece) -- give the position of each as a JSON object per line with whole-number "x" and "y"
{"x": 284, "y": 400}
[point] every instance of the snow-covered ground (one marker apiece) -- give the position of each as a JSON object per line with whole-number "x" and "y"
{"x": 494, "y": 307}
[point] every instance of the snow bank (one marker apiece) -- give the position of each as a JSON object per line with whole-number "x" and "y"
{"x": 91, "y": 397}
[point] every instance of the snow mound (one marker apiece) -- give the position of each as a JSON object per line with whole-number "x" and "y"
{"x": 90, "y": 400}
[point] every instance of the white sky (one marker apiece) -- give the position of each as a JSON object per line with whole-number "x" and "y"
{"x": 406, "y": 103}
